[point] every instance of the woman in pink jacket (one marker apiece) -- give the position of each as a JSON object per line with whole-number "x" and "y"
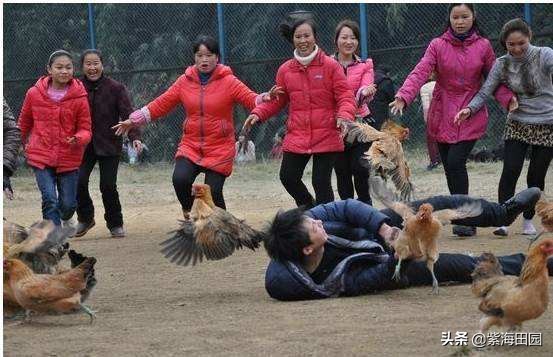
{"x": 360, "y": 76}
{"x": 319, "y": 98}
{"x": 461, "y": 57}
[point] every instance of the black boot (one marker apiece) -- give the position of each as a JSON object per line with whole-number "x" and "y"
{"x": 520, "y": 202}
{"x": 464, "y": 231}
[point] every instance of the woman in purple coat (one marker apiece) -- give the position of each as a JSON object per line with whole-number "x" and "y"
{"x": 461, "y": 57}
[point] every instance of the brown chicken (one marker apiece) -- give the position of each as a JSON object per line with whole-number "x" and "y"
{"x": 385, "y": 156}
{"x": 544, "y": 210}
{"x": 46, "y": 293}
{"x": 210, "y": 232}
{"x": 509, "y": 300}
{"x": 419, "y": 238}
{"x": 40, "y": 247}
{"x": 42, "y": 240}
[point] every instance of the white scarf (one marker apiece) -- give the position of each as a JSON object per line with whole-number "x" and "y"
{"x": 307, "y": 59}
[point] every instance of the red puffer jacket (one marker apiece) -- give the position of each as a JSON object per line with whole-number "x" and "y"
{"x": 317, "y": 94}
{"x": 208, "y": 130}
{"x": 47, "y": 124}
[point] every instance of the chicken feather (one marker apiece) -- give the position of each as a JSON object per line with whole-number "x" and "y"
{"x": 211, "y": 233}
{"x": 45, "y": 293}
{"x": 421, "y": 230}
{"x": 385, "y": 156}
{"x": 507, "y": 300}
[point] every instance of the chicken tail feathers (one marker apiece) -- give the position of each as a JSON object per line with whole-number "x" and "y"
{"x": 400, "y": 178}
{"x": 87, "y": 265}
{"x": 467, "y": 210}
{"x": 56, "y": 238}
{"x": 14, "y": 233}
{"x": 181, "y": 248}
{"x": 485, "y": 275}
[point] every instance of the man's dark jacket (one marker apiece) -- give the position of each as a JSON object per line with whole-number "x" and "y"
{"x": 109, "y": 103}
{"x": 359, "y": 223}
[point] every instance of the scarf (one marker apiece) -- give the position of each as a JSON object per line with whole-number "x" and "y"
{"x": 307, "y": 59}
{"x": 462, "y": 36}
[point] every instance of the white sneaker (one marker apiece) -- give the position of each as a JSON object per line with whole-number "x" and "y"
{"x": 501, "y": 231}
{"x": 528, "y": 228}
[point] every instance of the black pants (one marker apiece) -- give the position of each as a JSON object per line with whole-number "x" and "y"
{"x": 291, "y": 172}
{"x": 513, "y": 160}
{"x": 454, "y": 158}
{"x": 183, "y": 177}
{"x": 348, "y": 164}
{"x": 108, "y": 187}
{"x": 449, "y": 268}
{"x": 493, "y": 214}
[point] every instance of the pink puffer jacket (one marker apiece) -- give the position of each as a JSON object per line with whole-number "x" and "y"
{"x": 360, "y": 74}
{"x": 460, "y": 67}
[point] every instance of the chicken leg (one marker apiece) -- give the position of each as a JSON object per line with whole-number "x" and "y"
{"x": 89, "y": 312}
{"x": 430, "y": 266}
{"x": 396, "y": 275}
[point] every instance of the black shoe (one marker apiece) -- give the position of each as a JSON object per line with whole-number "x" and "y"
{"x": 84, "y": 227}
{"x": 464, "y": 231}
{"x": 117, "y": 232}
{"x": 522, "y": 201}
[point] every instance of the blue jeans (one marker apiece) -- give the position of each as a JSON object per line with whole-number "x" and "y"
{"x": 57, "y": 204}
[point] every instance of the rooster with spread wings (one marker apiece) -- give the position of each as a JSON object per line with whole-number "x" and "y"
{"x": 385, "y": 156}
{"x": 210, "y": 232}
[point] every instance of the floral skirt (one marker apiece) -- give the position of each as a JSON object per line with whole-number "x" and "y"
{"x": 533, "y": 134}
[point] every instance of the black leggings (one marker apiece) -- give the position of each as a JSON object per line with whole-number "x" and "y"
{"x": 183, "y": 177}
{"x": 454, "y": 158}
{"x": 349, "y": 164}
{"x": 513, "y": 160}
{"x": 291, "y": 172}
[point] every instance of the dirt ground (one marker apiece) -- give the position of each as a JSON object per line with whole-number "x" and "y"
{"x": 147, "y": 306}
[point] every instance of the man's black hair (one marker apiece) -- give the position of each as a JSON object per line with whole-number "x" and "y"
{"x": 286, "y": 236}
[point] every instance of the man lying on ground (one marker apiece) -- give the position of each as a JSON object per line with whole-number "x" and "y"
{"x": 342, "y": 248}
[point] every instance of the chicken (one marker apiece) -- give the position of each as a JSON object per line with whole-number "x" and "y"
{"x": 41, "y": 246}
{"x": 385, "y": 156}
{"x": 419, "y": 236}
{"x": 46, "y": 293}
{"x": 508, "y": 300}
{"x": 397, "y": 131}
{"x": 210, "y": 232}
{"x": 544, "y": 209}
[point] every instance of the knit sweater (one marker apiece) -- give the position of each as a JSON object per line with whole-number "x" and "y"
{"x": 529, "y": 77}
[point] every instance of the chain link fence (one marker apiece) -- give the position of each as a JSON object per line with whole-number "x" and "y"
{"x": 147, "y": 46}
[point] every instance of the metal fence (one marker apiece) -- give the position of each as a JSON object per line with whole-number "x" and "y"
{"x": 147, "y": 46}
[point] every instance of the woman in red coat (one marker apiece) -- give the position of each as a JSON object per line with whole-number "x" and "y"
{"x": 319, "y": 97}
{"x": 55, "y": 128}
{"x": 207, "y": 91}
